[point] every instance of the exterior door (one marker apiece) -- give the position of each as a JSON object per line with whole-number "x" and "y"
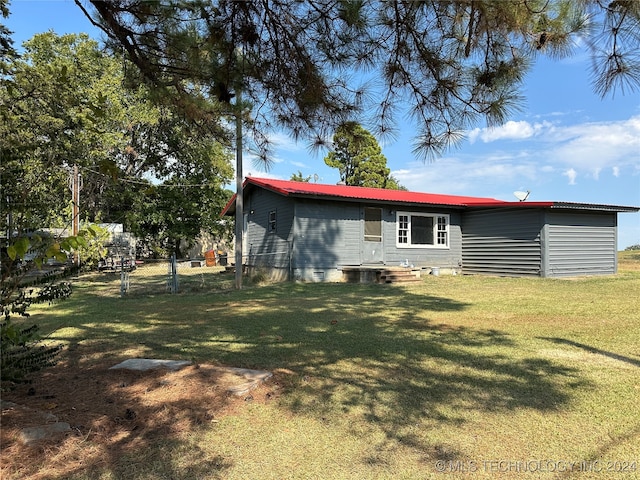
{"x": 372, "y": 251}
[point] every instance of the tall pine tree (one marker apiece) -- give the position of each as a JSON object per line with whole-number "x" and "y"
{"x": 359, "y": 158}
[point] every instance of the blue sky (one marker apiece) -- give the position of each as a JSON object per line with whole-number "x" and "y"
{"x": 567, "y": 144}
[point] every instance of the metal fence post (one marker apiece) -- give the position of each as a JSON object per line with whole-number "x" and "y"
{"x": 173, "y": 275}
{"x": 124, "y": 279}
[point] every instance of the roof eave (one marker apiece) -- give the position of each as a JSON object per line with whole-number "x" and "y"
{"x": 392, "y": 203}
{"x": 597, "y": 207}
{"x": 230, "y": 207}
{"x": 557, "y": 206}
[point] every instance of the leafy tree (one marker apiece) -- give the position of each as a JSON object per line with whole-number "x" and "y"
{"x": 455, "y": 62}
{"x": 41, "y": 112}
{"x": 7, "y": 51}
{"x": 55, "y": 111}
{"x": 393, "y": 184}
{"x": 185, "y": 204}
{"x": 191, "y": 170}
{"x": 299, "y": 177}
{"x": 359, "y": 158}
{"x": 63, "y": 104}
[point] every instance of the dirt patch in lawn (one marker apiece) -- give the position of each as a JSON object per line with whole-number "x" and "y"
{"x": 112, "y": 413}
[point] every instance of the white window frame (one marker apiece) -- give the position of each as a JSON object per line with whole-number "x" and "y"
{"x": 441, "y": 230}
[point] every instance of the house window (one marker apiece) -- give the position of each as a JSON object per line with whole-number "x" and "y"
{"x": 422, "y": 230}
{"x": 372, "y": 224}
{"x": 271, "y": 227}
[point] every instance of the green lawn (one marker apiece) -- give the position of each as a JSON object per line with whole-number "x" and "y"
{"x": 456, "y": 373}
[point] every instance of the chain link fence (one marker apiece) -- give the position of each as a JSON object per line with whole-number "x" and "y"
{"x": 165, "y": 276}
{"x": 128, "y": 277}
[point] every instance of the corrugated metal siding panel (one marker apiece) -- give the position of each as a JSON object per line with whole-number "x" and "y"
{"x": 326, "y": 234}
{"x": 424, "y": 257}
{"x": 502, "y": 242}
{"x": 580, "y": 243}
{"x": 263, "y": 248}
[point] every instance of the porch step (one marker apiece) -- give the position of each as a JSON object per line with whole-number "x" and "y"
{"x": 398, "y": 276}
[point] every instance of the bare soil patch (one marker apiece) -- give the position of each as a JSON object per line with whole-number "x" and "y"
{"x": 112, "y": 412}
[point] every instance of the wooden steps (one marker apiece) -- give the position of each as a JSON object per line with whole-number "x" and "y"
{"x": 404, "y": 275}
{"x": 380, "y": 274}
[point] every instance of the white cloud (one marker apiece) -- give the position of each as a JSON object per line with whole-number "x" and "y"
{"x": 509, "y": 131}
{"x": 571, "y": 174}
{"x": 596, "y": 145}
{"x": 592, "y": 147}
{"x": 284, "y": 142}
{"x": 259, "y": 174}
{"x": 458, "y": 176}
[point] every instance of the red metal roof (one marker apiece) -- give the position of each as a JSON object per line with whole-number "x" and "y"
{"x": 363, "y": 193}
{"x": 336, "y": 192}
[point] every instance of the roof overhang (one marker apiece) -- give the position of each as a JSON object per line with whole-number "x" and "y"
{"x": 559, "y": 206}
{"x": 400, "y": 198}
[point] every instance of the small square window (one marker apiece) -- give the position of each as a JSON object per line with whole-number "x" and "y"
{"x": 271, "y": 227}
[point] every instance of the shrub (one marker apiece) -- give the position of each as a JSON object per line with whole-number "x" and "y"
{"x": 21, "y": 349}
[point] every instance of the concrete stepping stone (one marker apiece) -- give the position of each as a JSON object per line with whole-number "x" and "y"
{"x": 253, "y": 377}
{"x": 31, "y": 435}
{"x": 49, "y": 429}
{"x": 144, "y": 364}
{"x": 248, "y": 379}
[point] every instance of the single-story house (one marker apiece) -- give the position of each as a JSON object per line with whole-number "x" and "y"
{"x": 312, "y": 232}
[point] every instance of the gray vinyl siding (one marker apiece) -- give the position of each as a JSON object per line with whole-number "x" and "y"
{"x": 502, "y": 241}
{"x": 330, "y": 235}
{"x": 580, "y": 243}
{"x": 264, "y": 248}
{"x": 326, "y": 234}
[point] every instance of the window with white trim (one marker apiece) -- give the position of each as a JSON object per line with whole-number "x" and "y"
{"x": 422, "y": 230}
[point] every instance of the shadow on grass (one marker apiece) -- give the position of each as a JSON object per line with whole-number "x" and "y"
{"x": 366, "y": 352}
{"x": 615, "y": 356}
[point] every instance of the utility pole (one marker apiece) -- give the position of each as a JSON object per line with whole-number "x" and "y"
{"x": 75, "y": 184}
{"x": 239, "y": 194}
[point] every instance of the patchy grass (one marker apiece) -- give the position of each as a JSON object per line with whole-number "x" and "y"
{"x": 629, "y": 260}
{"x": 449, "y": 375}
